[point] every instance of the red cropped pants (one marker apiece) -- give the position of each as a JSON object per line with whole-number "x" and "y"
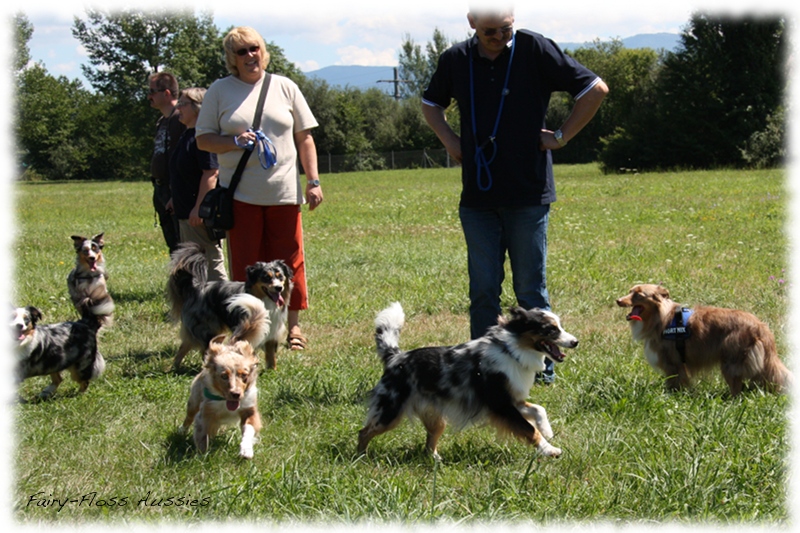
{"x": 265, "y": 233}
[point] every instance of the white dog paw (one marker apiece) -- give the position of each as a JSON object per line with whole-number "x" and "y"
{"x": 246, "y": 451}
{"x": 545, "y": 448}
{"x": 248, "y": 438}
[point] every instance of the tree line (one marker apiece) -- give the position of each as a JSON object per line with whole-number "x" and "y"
{"x": 717, "y": 101}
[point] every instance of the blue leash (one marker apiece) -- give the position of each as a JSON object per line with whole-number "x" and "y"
{"x": 480, "y": 156}
{"x": 267, "y": 153}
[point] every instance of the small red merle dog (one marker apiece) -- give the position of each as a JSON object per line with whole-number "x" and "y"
{"x": 484, "y": 380}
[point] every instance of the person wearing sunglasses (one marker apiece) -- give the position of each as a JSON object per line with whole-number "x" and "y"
{"x": 163, "y": 95}
{"x": 502, "y": 80}
{"x": 268, "y": 199}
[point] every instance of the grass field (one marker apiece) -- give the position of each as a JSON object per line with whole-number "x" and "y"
{"x": 632, "y": 452}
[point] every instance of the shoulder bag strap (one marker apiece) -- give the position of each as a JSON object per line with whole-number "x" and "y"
{"x": 237, "y": 175}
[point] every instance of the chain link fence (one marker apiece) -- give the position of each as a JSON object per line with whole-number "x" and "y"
{"x": 428, "y": 158}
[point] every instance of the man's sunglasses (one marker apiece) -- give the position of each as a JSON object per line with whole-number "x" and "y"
{"x": 504, "y": 30}
{"x": 243, "y": 51}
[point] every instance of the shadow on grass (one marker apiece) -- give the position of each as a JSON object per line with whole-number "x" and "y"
{"x": 462, "y": 453}
{"x": 179, "y": 447}
{"x": 140, "y": 297}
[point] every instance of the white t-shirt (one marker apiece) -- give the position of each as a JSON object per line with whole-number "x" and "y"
{"x": 228, "y": 109}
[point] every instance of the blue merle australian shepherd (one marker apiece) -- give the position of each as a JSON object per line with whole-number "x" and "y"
{"x": 52, "y": 348}
{"x": 484, "y": 380}
{"x": 207, "y": 309}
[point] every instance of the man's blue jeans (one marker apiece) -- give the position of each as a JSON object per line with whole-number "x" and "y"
{"x": 490, "y": 233}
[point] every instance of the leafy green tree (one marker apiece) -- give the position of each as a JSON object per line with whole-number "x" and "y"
{"x": 60, "y": 126}
{"x": 416, "y": 68}
{"x": 126, "y": 46}
{"x": 23, "y": 31}
{"x": 630, "y": 75}
{"x": 710, "y": 97}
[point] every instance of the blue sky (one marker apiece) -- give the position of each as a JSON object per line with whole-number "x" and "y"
{"x": 316, "y": 34}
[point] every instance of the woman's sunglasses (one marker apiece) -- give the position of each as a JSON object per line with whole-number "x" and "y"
{"x": 243, "y": 51}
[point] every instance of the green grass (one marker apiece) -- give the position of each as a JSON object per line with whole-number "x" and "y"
{"x": 632, "y": 452}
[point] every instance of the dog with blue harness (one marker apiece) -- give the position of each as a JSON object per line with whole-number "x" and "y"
{"x": 680, "y": 342}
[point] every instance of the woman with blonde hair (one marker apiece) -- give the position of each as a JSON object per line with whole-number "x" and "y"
{"x": 268, "y": 199}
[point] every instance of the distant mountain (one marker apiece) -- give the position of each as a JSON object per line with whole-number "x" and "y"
{"x": 656, "y": 41}
{"x": 356, "y": 77}
{"x": 363, "y": 78}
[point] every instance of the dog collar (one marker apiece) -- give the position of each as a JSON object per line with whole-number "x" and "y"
{"x": 213, "y": 397}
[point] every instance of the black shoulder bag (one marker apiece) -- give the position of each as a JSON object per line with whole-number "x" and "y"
{"x": 216, "y": 209}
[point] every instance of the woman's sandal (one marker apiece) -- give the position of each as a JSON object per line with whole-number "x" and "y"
{"x": 296, "y": 341}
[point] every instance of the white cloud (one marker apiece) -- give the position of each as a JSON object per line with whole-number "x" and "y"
{"x": 356, "y": 55}
{"x": 63, "y": 68}
{"x": 308, "y": 66}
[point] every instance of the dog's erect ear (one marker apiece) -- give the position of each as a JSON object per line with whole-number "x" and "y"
{"x": 251, "y": 273}
{"x": 516, "y": 312}
{"x": 662, "y": 293}
{"x": 35, "y": 314}
{"x": 215, "y": 346}
{"x": 287, "y": 270}
{"x": 519, "y": 319}
{"x": 244, "y": 348}
{"x": 77, "y": 241}
{"x": 98, "y": 239}
{"x": 219, "y": 339}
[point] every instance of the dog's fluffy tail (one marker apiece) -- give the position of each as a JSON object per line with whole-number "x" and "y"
{"x": 188, "y": 274}
{"x": 774, "y": 373}
{"x": 95, "y": 320}
{"x": 388, "y": 324}
{"x": 252, "y": 319}
{"x": 101, "y": 312}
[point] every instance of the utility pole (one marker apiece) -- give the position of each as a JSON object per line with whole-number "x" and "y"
{"x": 397, "y": 81}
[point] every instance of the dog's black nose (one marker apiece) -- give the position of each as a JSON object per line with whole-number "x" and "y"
{"x": 574, "y": 344}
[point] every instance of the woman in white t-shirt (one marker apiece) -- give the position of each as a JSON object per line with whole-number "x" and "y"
{"x": 267, "y": 202}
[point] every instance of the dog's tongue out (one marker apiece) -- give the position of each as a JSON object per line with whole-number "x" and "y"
{"x": 553, "y": 352}
{"x": 635, "y": 312}
{"x": 278, "y": 299}
{"x": 232, "y": 405}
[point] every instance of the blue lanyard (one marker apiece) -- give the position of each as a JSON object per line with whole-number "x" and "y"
{"x": 481, "y": 162}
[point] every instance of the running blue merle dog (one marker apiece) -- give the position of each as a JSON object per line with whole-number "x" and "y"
{"x": 484, "y": 380}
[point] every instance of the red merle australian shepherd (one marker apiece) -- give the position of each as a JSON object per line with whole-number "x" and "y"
{"x": 484, "y": 380}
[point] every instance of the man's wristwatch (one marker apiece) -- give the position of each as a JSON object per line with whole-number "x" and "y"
{"x": 560, "y": 138}
{"x": 313, "y": 183}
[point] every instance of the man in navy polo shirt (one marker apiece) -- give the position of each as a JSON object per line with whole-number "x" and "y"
{"x": 502, "y": 81}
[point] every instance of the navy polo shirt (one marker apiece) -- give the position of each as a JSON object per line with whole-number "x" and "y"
{"x": 521, "y": 174}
